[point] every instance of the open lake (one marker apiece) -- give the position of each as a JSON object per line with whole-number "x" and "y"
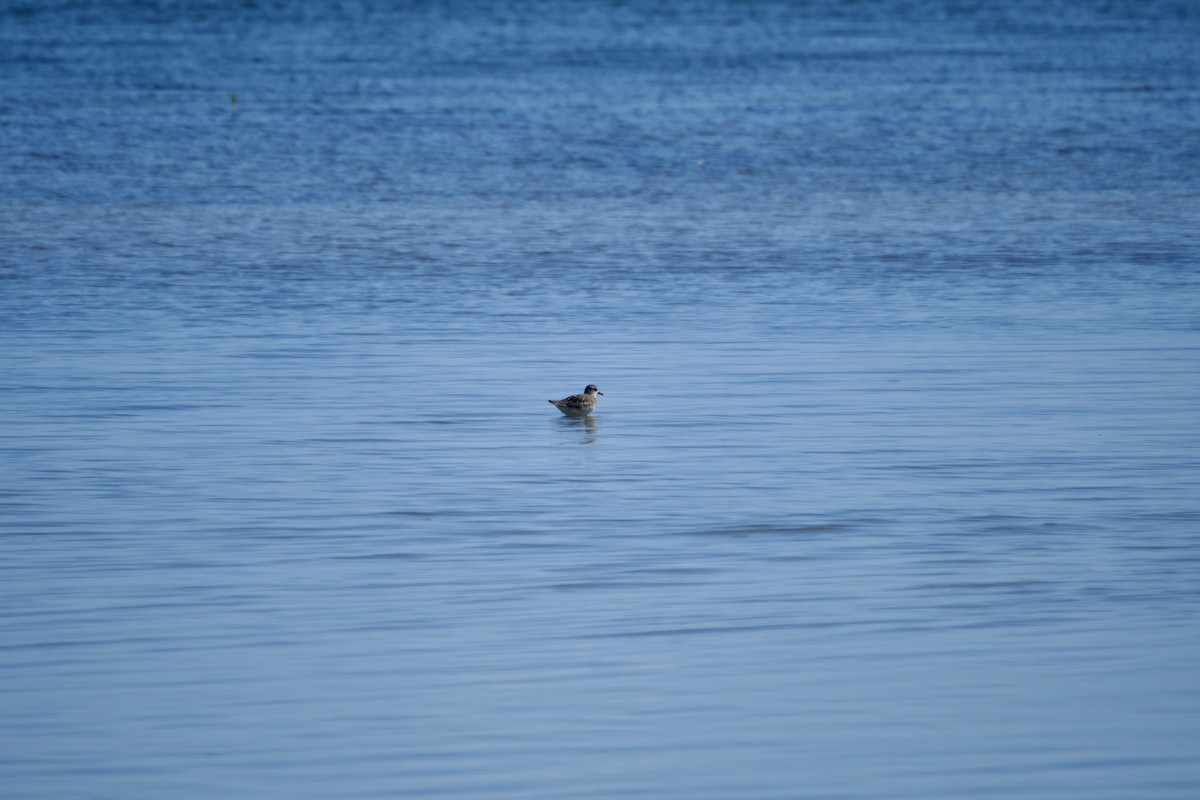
{"x": 893, "y": 492}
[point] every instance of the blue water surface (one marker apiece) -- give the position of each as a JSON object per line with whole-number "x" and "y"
{"x": 892, "y": 492}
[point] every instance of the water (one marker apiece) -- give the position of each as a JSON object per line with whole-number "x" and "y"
{"x": 892, "y": 492}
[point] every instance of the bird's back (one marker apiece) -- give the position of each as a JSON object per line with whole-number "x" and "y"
{"x": 575, "y": 404}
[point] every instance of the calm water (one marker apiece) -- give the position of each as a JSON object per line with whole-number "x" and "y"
{"x": 893, "y": 491}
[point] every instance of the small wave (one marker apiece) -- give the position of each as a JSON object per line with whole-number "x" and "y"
{"x": 776, "y": 530}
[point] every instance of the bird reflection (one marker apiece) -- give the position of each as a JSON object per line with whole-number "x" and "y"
{"x": 585, "y": 424}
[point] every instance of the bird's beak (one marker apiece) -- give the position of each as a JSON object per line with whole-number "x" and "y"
{"x": 599, "y": 392}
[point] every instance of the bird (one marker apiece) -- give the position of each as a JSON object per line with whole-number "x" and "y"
{"x": 578, "y": 405}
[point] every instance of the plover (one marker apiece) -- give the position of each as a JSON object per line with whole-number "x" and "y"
{"x": 578, "y": 405}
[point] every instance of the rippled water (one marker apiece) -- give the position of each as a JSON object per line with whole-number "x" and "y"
{"x": 892, "y": 491}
